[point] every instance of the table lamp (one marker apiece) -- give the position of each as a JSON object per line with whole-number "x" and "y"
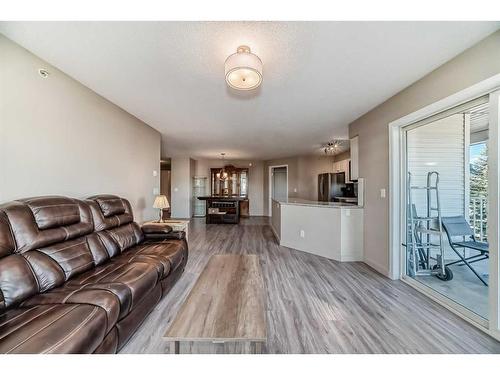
{"x": 161, "y": 202}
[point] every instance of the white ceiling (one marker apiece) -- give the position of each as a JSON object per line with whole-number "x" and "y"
{"x": 318, "y": 76}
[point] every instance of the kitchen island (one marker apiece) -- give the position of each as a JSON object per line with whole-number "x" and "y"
{"x": 330, "y": 229}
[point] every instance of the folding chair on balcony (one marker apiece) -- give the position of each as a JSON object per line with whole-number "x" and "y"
{"x": 457, "y": 226}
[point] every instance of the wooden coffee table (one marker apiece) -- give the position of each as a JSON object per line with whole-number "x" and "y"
{"x": 226, "y": 304}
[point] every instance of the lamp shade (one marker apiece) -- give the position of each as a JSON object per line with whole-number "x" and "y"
{"x": 243, "y": 69}
{"x": 161, "y": 201}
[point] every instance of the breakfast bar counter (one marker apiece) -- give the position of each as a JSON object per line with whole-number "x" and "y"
{"x": 309, "y": 203}
{"x": 330, "y": 229}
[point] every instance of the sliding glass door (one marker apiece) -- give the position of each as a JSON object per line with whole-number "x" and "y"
{"x": 445, "y": 166}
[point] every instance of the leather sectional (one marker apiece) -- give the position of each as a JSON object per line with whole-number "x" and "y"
{"x": 80, "y": 276}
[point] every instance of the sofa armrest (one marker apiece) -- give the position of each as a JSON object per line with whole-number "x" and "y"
{"x": 174, "y": 235}
{"x": 161, "y": 231}
{"x": 156, "y": 228}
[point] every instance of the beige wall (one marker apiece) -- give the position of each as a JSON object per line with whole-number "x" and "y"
{"x": 309, "y": 167}
{"x": 343, "y": 156}
{"x": 302, "y": 175}
{"x": 474, "y": 65}
{"x": 59, "y": 137}
{"x": 181, "y": 187}
{"x": 255, "y": 179}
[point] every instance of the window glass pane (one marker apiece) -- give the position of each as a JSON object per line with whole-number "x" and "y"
{"x": 244, "y": 183}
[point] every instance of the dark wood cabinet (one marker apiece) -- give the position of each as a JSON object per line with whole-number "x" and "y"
{"x": 223, "y": 210}
{"x": 229, "y": 181}
{"x": 229, "y": 195}
{"x": 244, "y": 208}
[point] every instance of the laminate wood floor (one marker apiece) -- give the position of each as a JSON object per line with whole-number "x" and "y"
{"x": 316, "y": 305}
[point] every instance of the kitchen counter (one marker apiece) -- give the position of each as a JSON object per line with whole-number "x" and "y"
{"x": 329, "y": 229}
{"x": 306, "y": 202}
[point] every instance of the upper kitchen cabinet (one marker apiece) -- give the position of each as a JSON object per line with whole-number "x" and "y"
{"x": 354, "y": 158}
{"x": 342, "y": 166}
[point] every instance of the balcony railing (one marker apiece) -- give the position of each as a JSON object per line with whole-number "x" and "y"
{"x": 478, "y": 214}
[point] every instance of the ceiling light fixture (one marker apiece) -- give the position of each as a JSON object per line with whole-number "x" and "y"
{"x": 243, "y": 69}
{"x": 222, "y": 174}
{"x": 334, "y": 147}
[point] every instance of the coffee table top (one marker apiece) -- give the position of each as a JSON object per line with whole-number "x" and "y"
{"x": 225, "y": 304}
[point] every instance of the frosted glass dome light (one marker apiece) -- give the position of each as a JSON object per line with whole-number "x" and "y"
{"x": 243, "y": 69}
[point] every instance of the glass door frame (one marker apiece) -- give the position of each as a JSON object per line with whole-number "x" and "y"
{"x": 397, "y": 199}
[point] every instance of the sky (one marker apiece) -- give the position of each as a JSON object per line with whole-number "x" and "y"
{"x": 475, "y": 151}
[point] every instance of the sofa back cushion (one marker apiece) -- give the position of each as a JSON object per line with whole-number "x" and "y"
{"x": 44, "y": 241}
{"x": 114, "y": 223}
{"x": 7, "y": 244}
{"x": 54, "y": 212}
{"x": 17, "y": 281}
{"x": 33, "y": 227}
{"x": 102, "y": 208}
{"x": 110, "y": 205}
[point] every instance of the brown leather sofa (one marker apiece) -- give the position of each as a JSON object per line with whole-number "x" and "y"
{"x": 80, "y": 276}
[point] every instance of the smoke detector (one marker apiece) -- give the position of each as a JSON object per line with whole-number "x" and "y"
{"x": 44, "y": 73}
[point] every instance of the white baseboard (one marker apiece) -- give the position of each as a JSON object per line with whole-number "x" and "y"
{"x": 378, "y": 267}
{"x": 275, "y": 234}
{"x": 354, "y": 257}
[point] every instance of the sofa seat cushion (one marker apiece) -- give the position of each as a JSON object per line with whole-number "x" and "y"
{"x": 86, "y": 294}
{"x": 130, "y": 282}
{"x": 71, "y": 328}
{"x": 174, "y": 250}
{"x": 161, "y": 264}
{"x": 169, "y": 253}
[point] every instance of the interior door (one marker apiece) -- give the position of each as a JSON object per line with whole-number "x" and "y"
{"x": 280, "y": 188}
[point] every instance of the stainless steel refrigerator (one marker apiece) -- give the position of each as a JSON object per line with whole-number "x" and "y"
{"x": 330, "y": 185}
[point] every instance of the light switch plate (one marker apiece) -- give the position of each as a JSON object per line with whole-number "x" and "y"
{"x": 302, "y": 233}
{"x": 382, "y": 193}
{"x": 156, "y": 191}
{"x": 155, "y": 173}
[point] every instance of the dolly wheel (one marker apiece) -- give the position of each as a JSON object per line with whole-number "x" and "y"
{"x": 448, "y": 274}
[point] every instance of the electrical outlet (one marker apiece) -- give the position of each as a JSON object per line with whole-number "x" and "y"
{"x": 294, "y": 190}
{"x": 382, "y": 193}
{"x": 302, "y": 233}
